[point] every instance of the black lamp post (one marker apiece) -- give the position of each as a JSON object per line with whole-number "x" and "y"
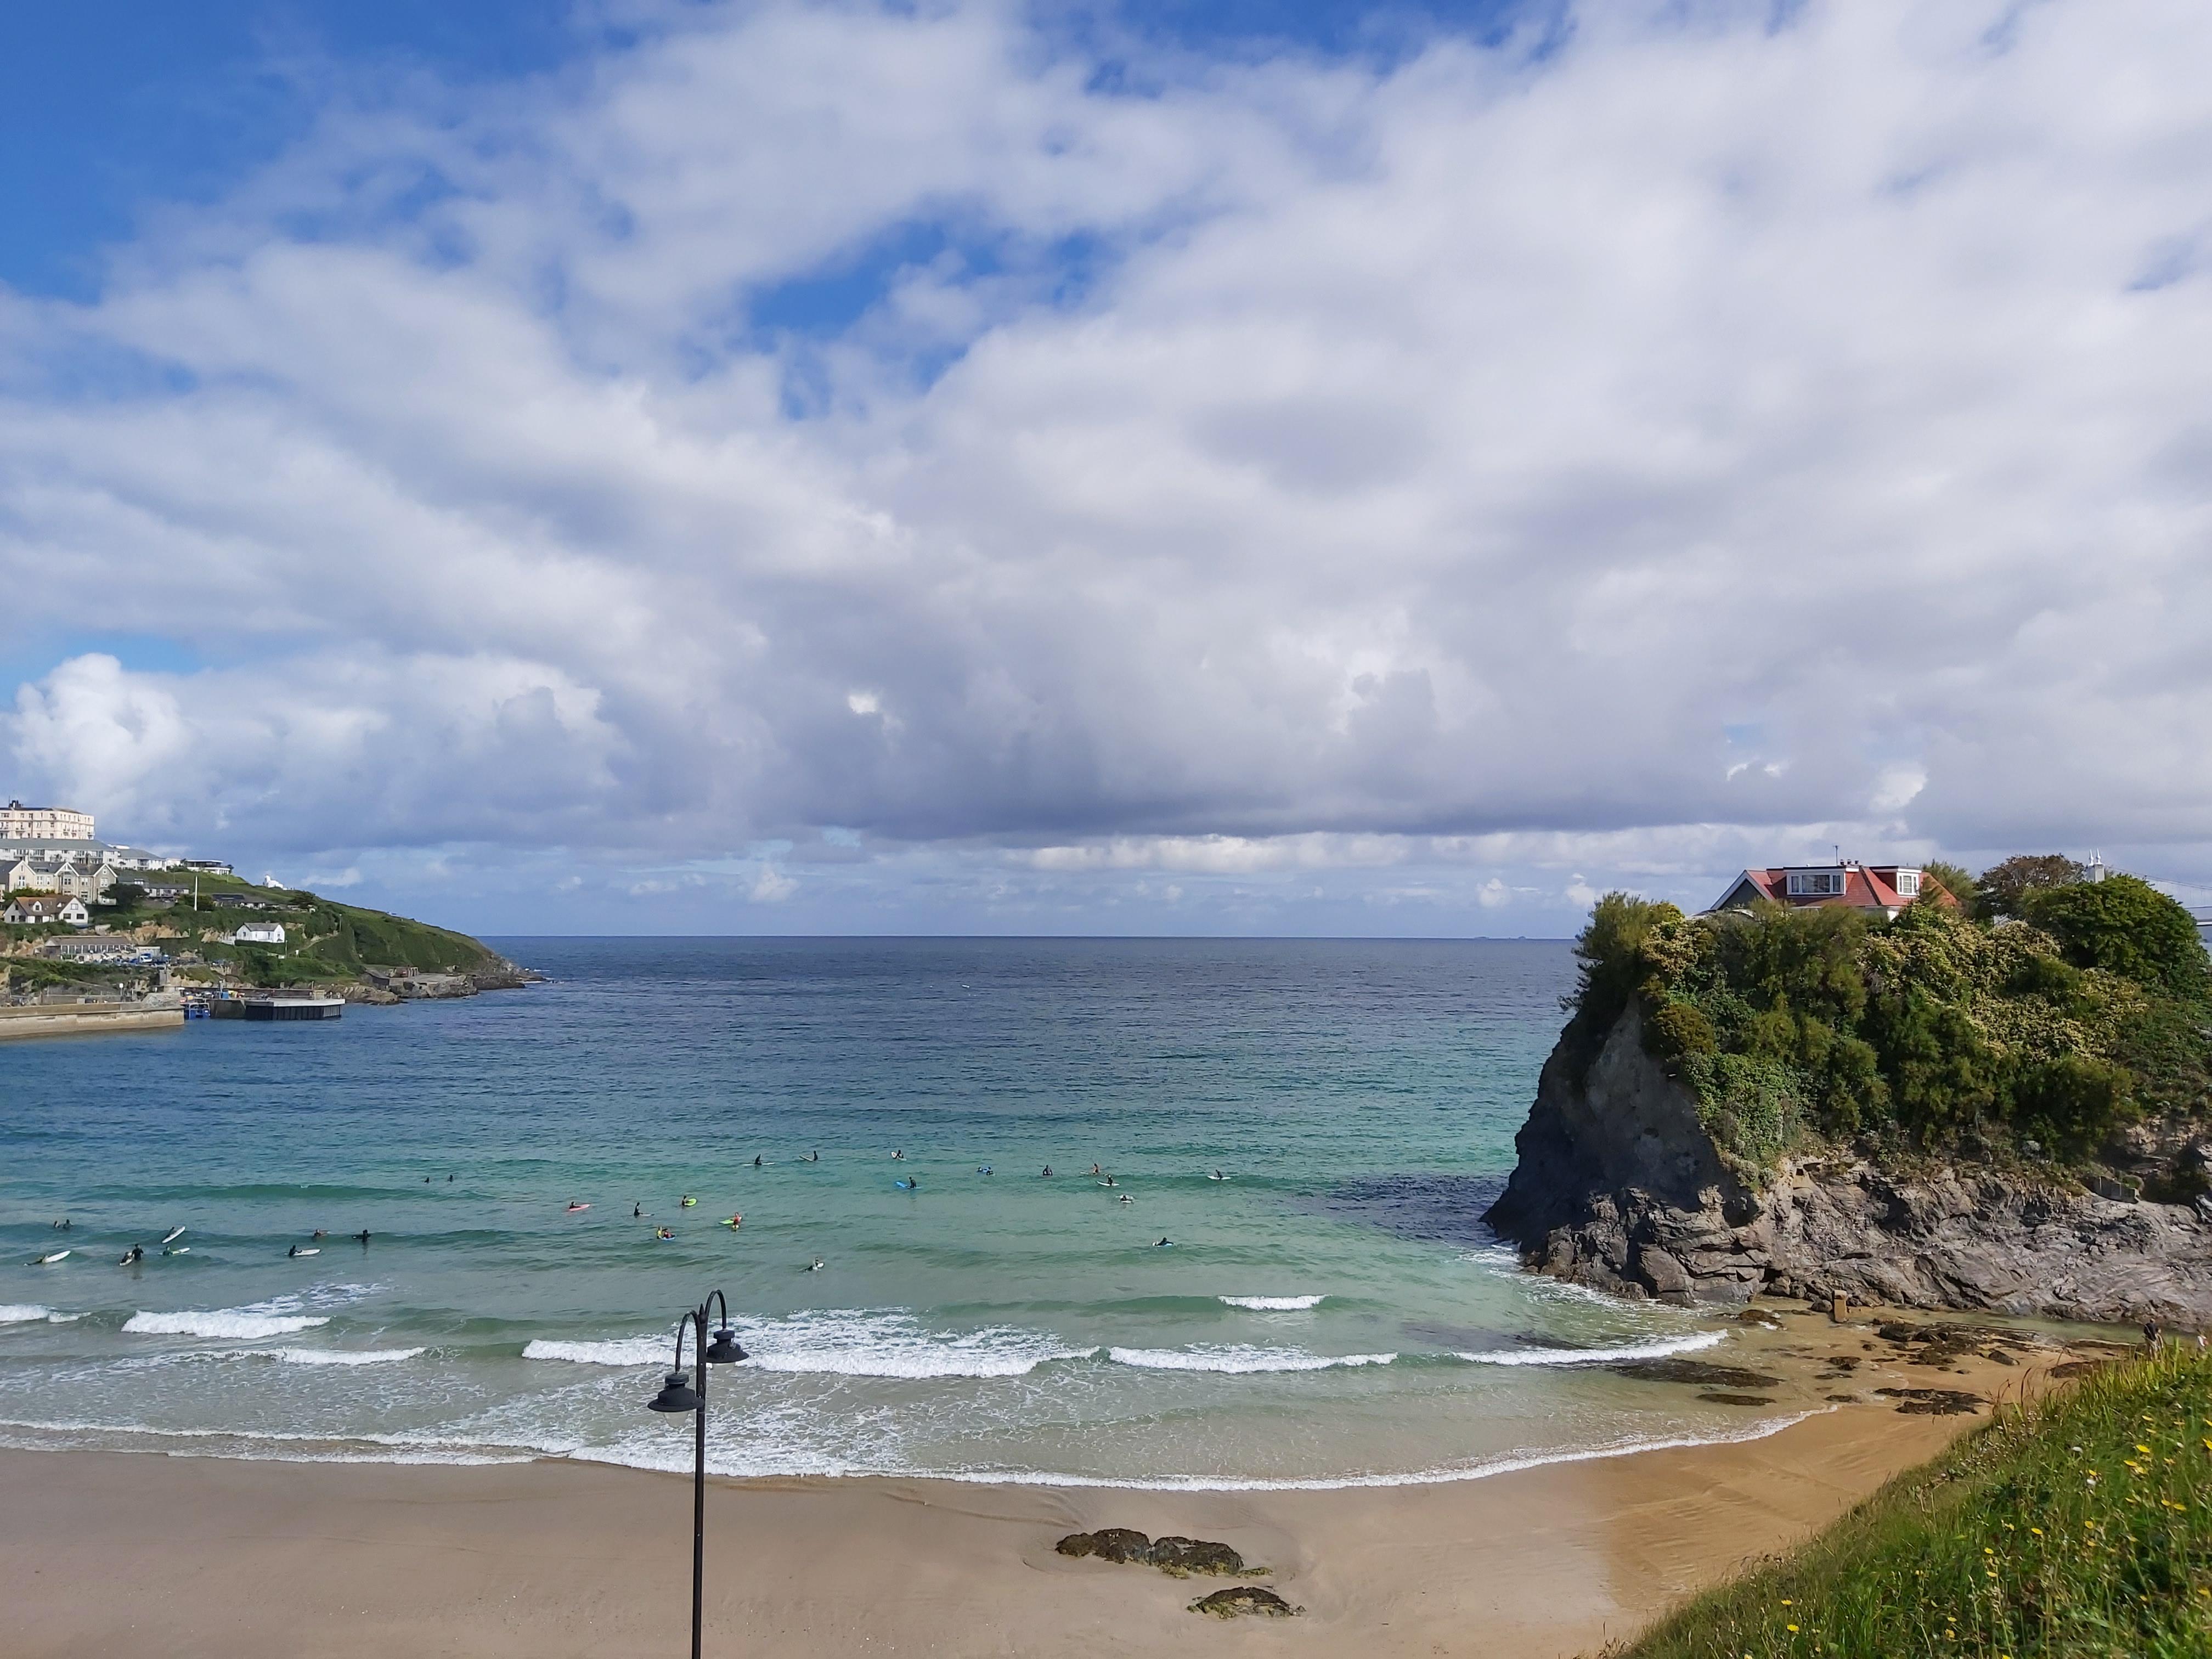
{"x": 676, "y": 1395}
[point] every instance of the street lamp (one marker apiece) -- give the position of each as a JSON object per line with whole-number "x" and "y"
{"x": 678, "y": 1395}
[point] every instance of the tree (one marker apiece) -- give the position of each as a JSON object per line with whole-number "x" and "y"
{"x": 1954, "y": 879}
{"x": 2127, "y": 927}
{"x": 2005, "y": 887}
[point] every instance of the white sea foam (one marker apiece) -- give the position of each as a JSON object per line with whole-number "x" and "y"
{"x": 338, "y": 1356}
{"x": 1240, "y": 1359}
{"x": 1657, "y": 1348}
{"x": 844, "y": 1342}
{"x": 239, "y": 1323}
{"x": 25, "y": 1313}
{"x": 621, "y": 1351}
{"x": 1272, "y": 1304}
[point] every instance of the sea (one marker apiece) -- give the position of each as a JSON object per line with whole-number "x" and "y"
{"x": 1279, "y": 1277}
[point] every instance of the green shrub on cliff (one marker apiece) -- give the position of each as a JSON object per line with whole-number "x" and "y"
{"x": 1932, "y": 1026}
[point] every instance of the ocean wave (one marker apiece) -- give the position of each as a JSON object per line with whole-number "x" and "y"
{"x": 239, "y": 1323}
{"x": 1273, "y": 1304}
{"x": 1657, "y": 1348}
{"x": 1239, "y": 1359}
{"x": 338, "y": 1356}
{"x": 25, "y": 1313}
{"x": 844, "y": 1343}
{"x": 631, "y": 1351}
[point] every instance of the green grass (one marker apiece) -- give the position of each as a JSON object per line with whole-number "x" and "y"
{"x": 2080, "y": 1526}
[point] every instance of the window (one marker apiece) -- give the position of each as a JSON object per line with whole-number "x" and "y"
{"x": 1815, "y": 883}
{"x": 1908, "y": 884}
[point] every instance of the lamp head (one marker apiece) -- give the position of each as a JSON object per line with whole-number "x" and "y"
{"x": 724, "y": 1349}
{"x": 676, "y": 1395}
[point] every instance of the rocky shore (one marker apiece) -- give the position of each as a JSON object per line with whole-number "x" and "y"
{"x": 1619, "y": 1186}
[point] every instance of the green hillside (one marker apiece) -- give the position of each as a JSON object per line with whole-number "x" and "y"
{"x": 2082, "y": 1528}
{"x": 324, "y": 940}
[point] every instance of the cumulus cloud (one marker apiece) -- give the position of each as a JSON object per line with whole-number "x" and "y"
{"x": 1675, "y": 435}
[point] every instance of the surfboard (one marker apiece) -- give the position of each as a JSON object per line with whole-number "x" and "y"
{"x": 174, "y": 1234}
{"x": 49, "y": 1261}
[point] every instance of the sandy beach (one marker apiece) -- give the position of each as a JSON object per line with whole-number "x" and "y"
{"x": 106, "y": 1553}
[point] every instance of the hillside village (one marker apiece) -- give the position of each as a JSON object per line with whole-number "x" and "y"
{"x": 79, "y": 916}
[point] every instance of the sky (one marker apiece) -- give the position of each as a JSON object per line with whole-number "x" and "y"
{"x": 670, "y": 466}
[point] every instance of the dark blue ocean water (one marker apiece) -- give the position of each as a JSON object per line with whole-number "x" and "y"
{"x": 1331, "y": 1310}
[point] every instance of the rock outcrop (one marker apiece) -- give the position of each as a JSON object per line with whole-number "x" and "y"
{"x": 1619, "y": 1187}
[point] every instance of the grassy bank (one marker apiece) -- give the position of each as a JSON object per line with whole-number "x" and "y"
{"x": 2080, "y": 1526}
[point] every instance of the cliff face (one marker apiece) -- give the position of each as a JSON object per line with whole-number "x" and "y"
{"x": 1619, "y": 1187}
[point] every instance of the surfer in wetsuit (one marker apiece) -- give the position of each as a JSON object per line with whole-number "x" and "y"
{"x": 362, "y": 1238}
{"x": 814, "y": 1157}
{"x": 1047, "y": 1176}
{"x": 294, "y": 1250}
{"x": 1164, "y": 1244}
{"x": 637, "y": 1213}
{"x": 132, "y": 1256}
{"x": 62, "y": 1225}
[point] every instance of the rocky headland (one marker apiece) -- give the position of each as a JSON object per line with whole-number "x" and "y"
{"x": 1623, "y": 1185}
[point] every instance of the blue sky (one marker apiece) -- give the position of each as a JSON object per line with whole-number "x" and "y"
{"x": 662, "y": 465}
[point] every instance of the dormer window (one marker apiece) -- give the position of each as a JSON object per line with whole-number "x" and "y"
{"x": 1908, "y": 884}
{"x": 1816, "y": 883}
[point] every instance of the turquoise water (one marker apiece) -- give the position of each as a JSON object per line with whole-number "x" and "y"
{"x": 1331, "y": 1312}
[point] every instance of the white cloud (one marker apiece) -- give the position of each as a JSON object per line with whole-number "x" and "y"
{"x": 1437, "y": 464}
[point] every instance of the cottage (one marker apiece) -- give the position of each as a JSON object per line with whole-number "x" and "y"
{"x": 39, "y": 910}
{"x": 1887, "y": 888}
{"x": 259, "y": 932}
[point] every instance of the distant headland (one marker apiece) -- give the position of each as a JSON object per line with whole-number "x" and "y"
{"x": 124, "y": 933}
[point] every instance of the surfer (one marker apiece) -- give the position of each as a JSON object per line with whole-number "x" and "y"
{"x": 319, "y": 1233}
{"x": 294, "y": 1250}
{"x": 1126, "y": 1199}
{"x": 132, "y": 1256}
{"x": 896, "y": 1157}
{"x": 664, "y": 1232}
{"x": 982, "y": 1169}
{"x": 905, "y": 1185}
{"x": 1095, "y": 1169}
{"x": 1109, "y": 1181}
{"x": 1217, "y": 1175}
{"x": 574, "y": 1206}
{"x": 62, "y": 1225}
{"x": 737, "y": 1220}
{"x": 1164, "y": 1244}
{"x": 814, "y": 1157}
{"x": 1047, "y": 1176}
{"x": 637, "y": 1213}
{"x": 815, "y": 1265}
{"x": 688, "y": 1203}
{"x": 362, "y": 1238}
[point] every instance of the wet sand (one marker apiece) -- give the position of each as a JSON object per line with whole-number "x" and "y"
{"x": 104, "y": 1552}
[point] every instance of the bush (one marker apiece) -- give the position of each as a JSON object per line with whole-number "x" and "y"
{"x": 2126, "y": 925}
{"x": 1675, "y": 1031}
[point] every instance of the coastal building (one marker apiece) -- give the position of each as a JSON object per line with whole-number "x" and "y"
{"x": 88, "y": 854}
{"x": 1887, "y": 888}
{"x": 259, "y": 932}
{"x": 18, "y": 821}
{"x": 205, "y": 866}
{"x": 39, "y": 910}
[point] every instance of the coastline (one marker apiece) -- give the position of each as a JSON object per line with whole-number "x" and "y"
{"x": 245, "y": 1558}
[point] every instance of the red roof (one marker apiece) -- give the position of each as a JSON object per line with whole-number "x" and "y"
{"x": 1866, "y": 887}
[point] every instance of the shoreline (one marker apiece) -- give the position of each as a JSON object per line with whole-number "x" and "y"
{"x": 242, "y": 1557}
